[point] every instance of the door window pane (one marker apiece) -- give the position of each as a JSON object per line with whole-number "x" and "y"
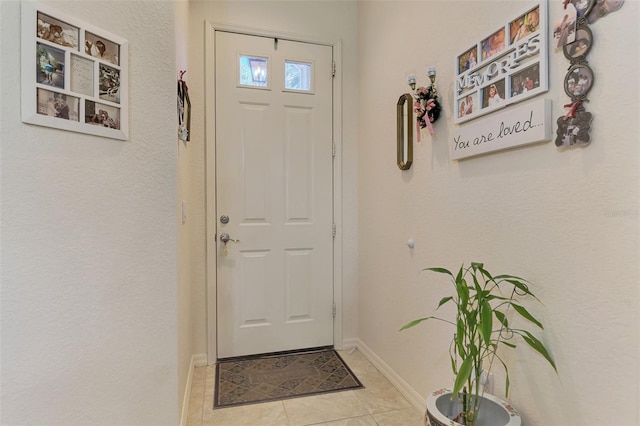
{"x": 253, "y": 71}
{"x": 297, "y": 76}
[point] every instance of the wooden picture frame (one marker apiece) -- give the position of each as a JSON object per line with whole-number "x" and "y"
{"x": 74, "y": 75}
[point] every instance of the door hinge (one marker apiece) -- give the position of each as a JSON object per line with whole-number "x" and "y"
{"x": 333, "y": 230}
{"x": 334, "y": 309}
{"x": 333, "y": 69}
{"x": 333, "y": 150}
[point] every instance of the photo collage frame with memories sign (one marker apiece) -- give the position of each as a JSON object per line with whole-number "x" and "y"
{"x": 506, "y": 66}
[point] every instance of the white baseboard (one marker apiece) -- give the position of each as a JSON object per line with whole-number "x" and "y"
{"x": 187, "y": 394}
{"x": 197, "y": 360}
{"x": 407, "y": 391}
{"x": 348, "y": 344}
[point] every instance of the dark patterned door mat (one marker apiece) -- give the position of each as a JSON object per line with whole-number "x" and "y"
{"x": 271, "y": 377}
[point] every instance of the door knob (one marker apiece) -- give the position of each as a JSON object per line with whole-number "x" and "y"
{"x": 225, "y": 238}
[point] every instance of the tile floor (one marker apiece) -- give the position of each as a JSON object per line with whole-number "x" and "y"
{"x": 378, "y": 404}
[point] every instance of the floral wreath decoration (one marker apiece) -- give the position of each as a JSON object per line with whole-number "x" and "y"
{"x": 427, "y": 107}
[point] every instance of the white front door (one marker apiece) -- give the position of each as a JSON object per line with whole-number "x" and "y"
{"x": 274, "y": 184}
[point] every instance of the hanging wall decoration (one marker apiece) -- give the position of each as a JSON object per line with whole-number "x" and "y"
{"x": 184, "y": 110}
{"x": 507, "y": 66}
{"x": 426, "y": 104}
{"x": 575, "y": 39}
{"x": 74, "y": 75}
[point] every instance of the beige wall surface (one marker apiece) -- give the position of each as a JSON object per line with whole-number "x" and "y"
{"x": 104, "y": 290}
{"x": 568, "y": 221}
{"x": 185, "y": 280}
{"x": 89, "y": 253}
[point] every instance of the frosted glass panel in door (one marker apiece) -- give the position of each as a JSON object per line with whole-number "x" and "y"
{"x": 298, "y": 76}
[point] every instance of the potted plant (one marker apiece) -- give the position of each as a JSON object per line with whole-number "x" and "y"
{"x": 484, "y": 305}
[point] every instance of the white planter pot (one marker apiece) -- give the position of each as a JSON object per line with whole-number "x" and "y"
{"x": 492, "y": 412}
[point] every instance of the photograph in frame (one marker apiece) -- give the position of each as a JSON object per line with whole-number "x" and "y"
{"x": 493, "y": 44}
{"x": 602, "y": 8}
{"x": 462, "y": 107}
{"x": 466, "y": 104}
{"x": 49, "y": 66}
{"x": 574, "y": 131}
{"x": 578, "y": 81}
{"x": 581, "y": 46}
{"x": 109, "y": 79}
{"x": 101, "y": 115}
{"x": 564, "y": 32}
{"x": 101, "y": 48}
{"x": 526, "y": 80}
{"x": 81, "y": 71}
{"x": 583, "y": 7}
{"x": 493, "y": 94}
{"x": 525, "y": 25}
{"x": 468, "y": 59}
{"x": 58, "y": 105}
{"x": 56, "y": 31}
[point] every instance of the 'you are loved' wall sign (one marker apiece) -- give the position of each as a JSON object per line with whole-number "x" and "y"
{"x": 524, "y": 124}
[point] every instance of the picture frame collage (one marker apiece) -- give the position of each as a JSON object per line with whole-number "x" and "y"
{"x": 575, "y": 39}
{"x": 74, "y": 75}
{"x": 507, "y": 66}
{"x": 576, "y": 46}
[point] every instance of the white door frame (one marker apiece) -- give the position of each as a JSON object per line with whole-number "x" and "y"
{"x": 210, "y": 179}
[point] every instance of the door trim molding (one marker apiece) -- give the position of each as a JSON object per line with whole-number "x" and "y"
{"x": 210, "y": 175}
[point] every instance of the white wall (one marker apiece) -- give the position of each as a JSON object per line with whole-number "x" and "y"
{"x": 89, "y": 264}
{"x": 325, "y": 20}
{"x": 94, "y": 330}
{"x": 568, "y": 221}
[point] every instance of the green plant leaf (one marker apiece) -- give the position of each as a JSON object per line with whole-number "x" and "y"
{"x": 463, "y": 292}
{"x": 459, "y": 337}
{"x": 454, "y": 367}
{"x": 476, "y": 283}
{"x": 444, "y": 300}
{"x": 507, "y": 382}
{"x": 539, "y": 347}
{"x": 486, "y": 322}
{"x": 525, "y": 314}
{"x": 490, "y": 296}
{"x": 463, "y": 375}
{"x": 476, "y": 265}
{"x": 414, "y": 323}
{"x": 502, "y": 318}
{"x": 472, "y": 320}
{"x": 439, "y": 270}
{"x": 460, "y": 274}
{"x": 485, "y": 273}
{"x": 522, "y": 286}
{"x": 509, "y": 277}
